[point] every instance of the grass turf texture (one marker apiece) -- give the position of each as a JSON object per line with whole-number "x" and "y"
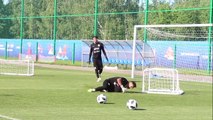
{"x": 54, "y": 94}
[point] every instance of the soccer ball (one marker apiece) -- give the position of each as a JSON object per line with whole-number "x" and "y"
{"x": 102, "y": 99}
{"x": 132, "y": 104}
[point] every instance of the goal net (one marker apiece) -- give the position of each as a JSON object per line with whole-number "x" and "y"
{"x": 161, "y": 81}
{"x": 17, "y": 67}
{"x": 186, "y": 47}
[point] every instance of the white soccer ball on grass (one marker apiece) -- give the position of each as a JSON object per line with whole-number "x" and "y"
{"x": 132, "y": 104}
{"x": 102, "y": 99}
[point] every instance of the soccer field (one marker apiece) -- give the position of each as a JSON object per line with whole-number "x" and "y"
{"x": 55, "y": 94}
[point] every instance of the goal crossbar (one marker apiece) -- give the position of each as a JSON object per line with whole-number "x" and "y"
{"x": 174, "y": 25}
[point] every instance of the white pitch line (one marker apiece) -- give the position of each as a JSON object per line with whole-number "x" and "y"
{"x": 8, "y": 118}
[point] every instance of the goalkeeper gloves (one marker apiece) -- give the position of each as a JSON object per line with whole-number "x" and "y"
{"x": 123, "y": 88}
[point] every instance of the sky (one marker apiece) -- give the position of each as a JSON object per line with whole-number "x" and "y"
{"x": 5, "y": 1}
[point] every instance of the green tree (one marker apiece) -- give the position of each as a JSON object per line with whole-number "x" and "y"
{"x": 32, "y": 11}
{"x": 116, "y": 18}
{"x": 75, "y": 20}
{"x": 119, "y": 22}
{"x": 2, "y": 24}
{"x": 15, "y": 9}
{"x": 189, "y": 16}
{"x": 45, "y": 24}
{"x": 160, "y": 13}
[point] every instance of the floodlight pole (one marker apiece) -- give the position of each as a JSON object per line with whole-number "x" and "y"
{"x": 175, "y": 56}
{"x": 210, "y": 39}
{"x": 146, "y": 20}
{"x": 96, "y": 18}
{"x": 55, "y": 26}
{"x": 37, "y": 51}
{"x": 73, "y": 53}
{"x": 5, "y": 55}
{"x": 21, "y": 27}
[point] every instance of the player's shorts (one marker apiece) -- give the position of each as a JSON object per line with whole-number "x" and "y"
{"x": 111, "y": 87}
{"x": 108, "y": 86}
{"x": 97, "y": 63}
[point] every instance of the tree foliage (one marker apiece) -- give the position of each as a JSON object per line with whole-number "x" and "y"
{"x": 75, "y": 18}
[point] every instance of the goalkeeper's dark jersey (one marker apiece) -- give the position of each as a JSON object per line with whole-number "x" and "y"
{"x": 113, "y": 81}
{"x": 95, "y": 49}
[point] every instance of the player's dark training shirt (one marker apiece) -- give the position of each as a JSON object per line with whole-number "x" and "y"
{"x": 113, "y": 84}
{"x": 95, "y": 49}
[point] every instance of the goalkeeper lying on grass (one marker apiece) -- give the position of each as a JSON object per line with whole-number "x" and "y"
{"x": 115, "y": 84}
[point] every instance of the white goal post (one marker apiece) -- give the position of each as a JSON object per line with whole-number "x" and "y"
{"x": 17, "y": 67}
{"x": 156, "y": 33}
{"x": 161, "y": 81}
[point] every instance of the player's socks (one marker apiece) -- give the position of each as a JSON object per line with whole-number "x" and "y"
{"x": 99, "y": 79}
{"x": 96, "y": 72}
{"x": 91, "y": 90}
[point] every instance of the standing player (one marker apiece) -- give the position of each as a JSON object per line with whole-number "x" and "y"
{"x": 95, "y": 49}
{"x": 115, "y": 84}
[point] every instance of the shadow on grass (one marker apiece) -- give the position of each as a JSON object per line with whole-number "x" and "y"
{"x": 133, "y": 92}
{"x": 140, "y": 109}
{"x": 109, "y": 103}
{"x": 6, "y": 95}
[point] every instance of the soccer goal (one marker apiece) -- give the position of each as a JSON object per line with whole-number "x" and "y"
{"x": 181, "y": 46}
{"x": 17, "y": 67}
{"x": 161, "y": 81}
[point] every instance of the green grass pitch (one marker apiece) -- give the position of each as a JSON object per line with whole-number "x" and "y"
{"x": 54, "y": 94}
